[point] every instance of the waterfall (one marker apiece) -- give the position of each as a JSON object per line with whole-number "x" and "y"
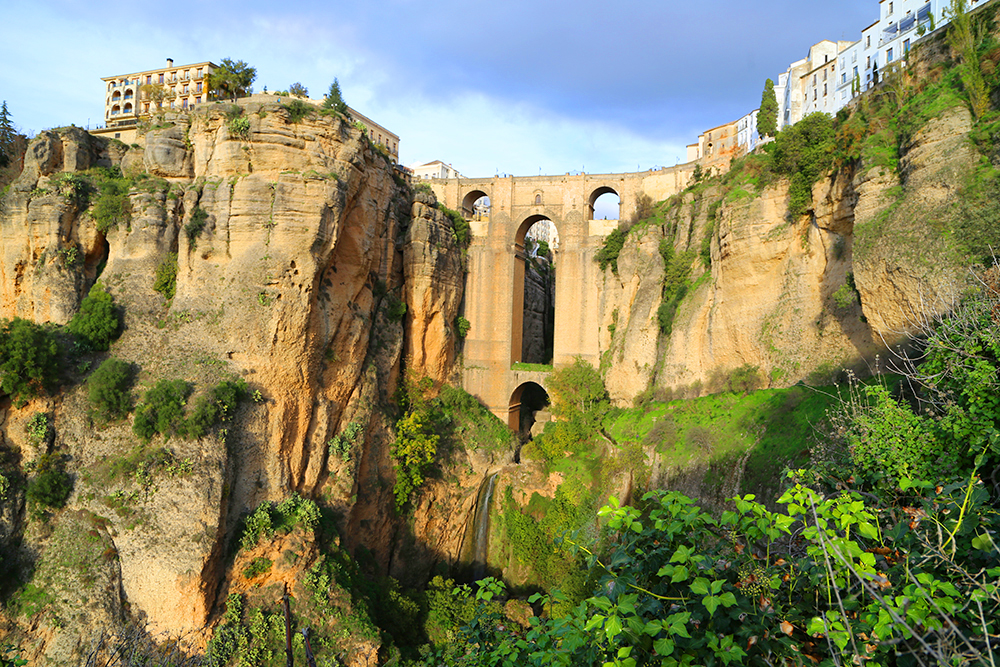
{"x": 481, "y": 528}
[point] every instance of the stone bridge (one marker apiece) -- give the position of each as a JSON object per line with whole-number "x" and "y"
{"x": 494, "y": 292}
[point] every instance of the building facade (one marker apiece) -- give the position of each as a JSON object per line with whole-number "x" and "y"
{"x": 746, "y": 132}
{"x": 436, "y": 169}
{"x": 127, "y": 97}
{"x": 809, "y": 85}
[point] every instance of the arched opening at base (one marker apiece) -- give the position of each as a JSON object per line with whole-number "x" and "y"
{"x": 528, "y": 411}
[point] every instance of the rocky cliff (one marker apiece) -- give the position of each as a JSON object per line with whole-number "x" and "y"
{"x": 796, "y": 299}
{"x": 302, "y": 266}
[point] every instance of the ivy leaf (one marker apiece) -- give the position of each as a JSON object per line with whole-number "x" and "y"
{"x": 711, "y": 603}
{"x": 700, "y": 586}
{"x": 613, "y": 627}
{"x": 663, "y": 647}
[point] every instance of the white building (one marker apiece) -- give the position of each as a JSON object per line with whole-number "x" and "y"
{"x": 436, "y": 169}
{"x": 887, "y": 41}
{"x": 809, "y": 85}
{"x": 746, "y": 132}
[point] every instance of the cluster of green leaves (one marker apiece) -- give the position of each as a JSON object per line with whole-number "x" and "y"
{"x": 165, "y": 280}
{"x": 341, "y": 444}
{"x": 231, "y": 79}
{"x": 334, "y": 102}
{"x": 282, "y": 517}
{"x": 462, "y": 326}
{"x": 50, "y": 484}
{"x": 29, "y": 359}
{"x": 803, "y": 153}
{"x": 109, "y": 390}
{"x": 195, "y": 226}
{"x": 162, "y": 410}
{"x": 112, "y": 206}
{"x": 298, "y": 110}
{"x": 676, "y": 283}
{"x": 459, "y": 225}
{"x": 98, "y": 322}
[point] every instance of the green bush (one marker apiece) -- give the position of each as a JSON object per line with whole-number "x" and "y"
{"x": 194, "y": 227}
{"x": 108, "y": 390}
{"x": 271, "y": 517}
{"x": 745, "y": 379}
{"x": 396, "y": 308}
{"x": 113, "y": 206}
{"x": 162, "y": 409}
{"x": 462, "y": 326}
{"x": 98, "y": 321}
{"x": 216, "y": 406}
{"x": 804, "y": 152}
{"x": 297, "y": 110}
{"x": 29, "y": 359}
{"x": 165, "y": 281}
{"x": 51, "y": 484}
{"x": 257, "y": 566}
{"x": 607, "y": 255}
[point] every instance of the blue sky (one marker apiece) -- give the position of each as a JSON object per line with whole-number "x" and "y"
{"x": 502, "y": 87}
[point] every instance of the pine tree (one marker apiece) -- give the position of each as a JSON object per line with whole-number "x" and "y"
{"x": 335, "y": 100}
{"x": 7, "y": 137}
{"x": 767, "y": 118}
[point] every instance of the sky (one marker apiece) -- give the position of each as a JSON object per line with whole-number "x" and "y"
{"x": 511, "y": 87}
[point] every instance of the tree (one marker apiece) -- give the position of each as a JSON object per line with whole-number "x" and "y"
{"x": 29, "y": 359}
{"x": 767, "y": 118}
{"x": 298, "y": 90}
{"x": 231, "y": 79}
{"x": 7, "y": 137}
{"x": 157, "y": 93}
{"x": 334, "y": 100}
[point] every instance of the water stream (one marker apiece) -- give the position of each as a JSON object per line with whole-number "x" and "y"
{"x": 481, "y": 528}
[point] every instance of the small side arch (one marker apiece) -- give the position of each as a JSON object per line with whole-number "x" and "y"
{"x": 473, "y": 206}
{"x": 606, "y": 194}
{"x": 528, "y": 404}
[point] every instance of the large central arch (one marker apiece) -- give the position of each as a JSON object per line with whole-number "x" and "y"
{"x": 517, "y": 295}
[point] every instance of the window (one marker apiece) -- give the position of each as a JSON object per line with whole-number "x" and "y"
{"x": 184, "y": 103}
{"x": 161, "y": 79}
{"x": 824, "y": 75}
{"x": 890, "y": 8}
{"x": 185, "y": 89}
{"x": 843, "y": 78}
{"x": 118, "y": 135}
{"x": 814, "y": 94}
{"x": 888, "y": 55}
{"x": 868, "y": 63}
{"x": 197, "y": 87}
{"x": 855, "y": 71}
{"x": 199, "y": 72}
{"x": 538, "y": 199}
{"x": 906, "y": 47}
{"x": 197, "y": 100}
{"x": 868, "y": 41}
{"x": 824, "y": 90}
{"x": 814, "y": 79}
{"x": 149, "y": 79}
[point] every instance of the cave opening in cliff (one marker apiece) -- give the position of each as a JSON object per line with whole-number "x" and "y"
{"x": 605, "y": 204}
{"x": 533, "y": 325}
{"x": 528, "y": 412}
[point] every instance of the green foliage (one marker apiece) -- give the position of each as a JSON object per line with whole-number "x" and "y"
{"x": 676, "y": 283}
{"x": 98, "y": 322}
{"x": 472, "y": 424}
{"x": 10, "y": 655}
{"x": 965, "y": 35}
{"x": 395, "y": 308}
{"x": 413, "y": 452}
{"x": 461, "y": 227}
{"x": 195, "y": 226}
{"x": 341, "y": 444}
{"x": 257, "y": 566}
{"x": 108, "y": 390}
{"x": 767, "y": 117}
{"x": 334, "y": 100}
{"x": 607, "y": 254}
{"x": 38, "y": 429}
{"x": 282, "y": 517}
{"x": 51, "y": 484}
{"x": 165, "y": 281}
{"x": 162, "y": 410}
{"x": 298, "y": 110}
{"x": 214, "y": 407}
{"x": 803, "y": 152}
{"x": 239, "y": 127}
{"x": 462, "y": 326}
{"x": 113, "y": 206}
{"x": 578, "y": 395}
{"x": 298, "y": 90}
{"x": 29, "y": 359}
{"x": 745, "y": 379}
{"x": 4, "y": 488}
{"x": 231, "y": 79}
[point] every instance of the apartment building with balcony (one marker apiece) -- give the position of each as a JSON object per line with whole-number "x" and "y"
{"x": 126, "y": 100}
{"x": 809, "y": 85}
{"x": 887, "y": 41}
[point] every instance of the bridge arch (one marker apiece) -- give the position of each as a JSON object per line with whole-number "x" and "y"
{"x": 598, "y": 193}
{"x": 526, "y": 401}
{"x": 539, "y": 325}
{"x": 469, "y": 202}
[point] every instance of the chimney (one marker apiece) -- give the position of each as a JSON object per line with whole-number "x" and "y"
{"x": 170, "y": 62}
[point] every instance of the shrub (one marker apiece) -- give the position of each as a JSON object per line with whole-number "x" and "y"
{"x": 269, "y": 518}
{"x": 804, "y": 152}
{"x": 38, "y": 429}
{"x": 342, "y": 443}
{"x": 162, "y": 409}
{"x": 108, "y": 390}
{"x": 745, "y": 379}
{"x": 297, "y": 110}
{"x": 607, "y": 255}
{"x": 51, "y": 485}
{"x": 113, "y": 206}
{"x": 413, "y": 452}
{"x": 396, "y": 309}
{"x": 462, "y": 326}
{"x": 257, "y": 566}
{"x": 214, "y": 407}
{"x": 29, "y": 359}
{"x": 165, "y": 281}
{"x": 194, "y": 227}
{"x": 98, "y": 321}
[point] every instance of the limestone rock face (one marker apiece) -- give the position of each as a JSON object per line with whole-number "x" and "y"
{"x": 433, "y": 279}
{"x": 288, "y": 241}
{"x": 797, "y": 299}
